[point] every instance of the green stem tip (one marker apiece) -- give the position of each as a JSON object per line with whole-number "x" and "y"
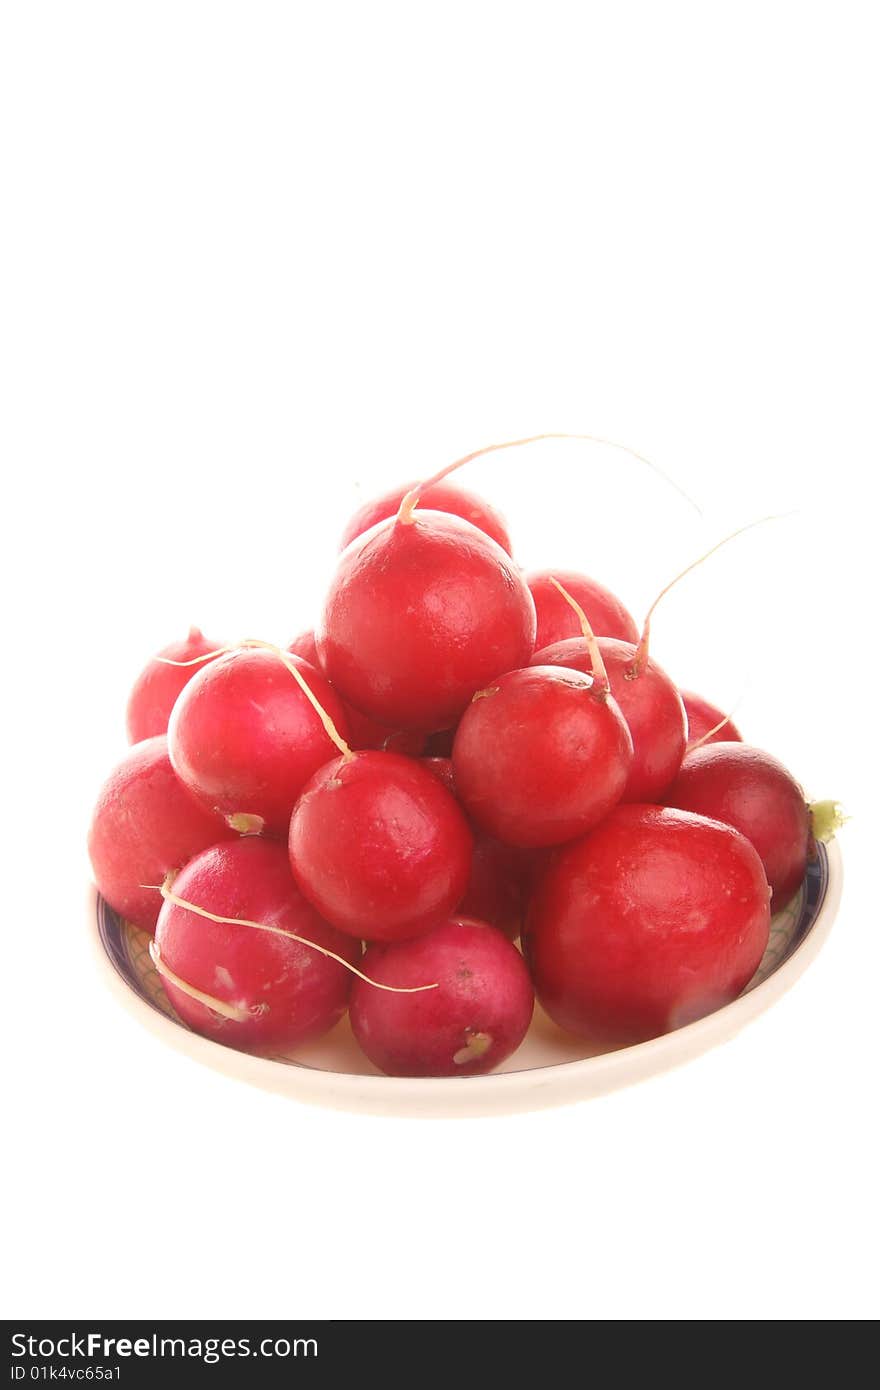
{"x": 826, "y": 818}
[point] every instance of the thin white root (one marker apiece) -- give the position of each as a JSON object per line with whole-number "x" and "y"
{"x": 217, "y": 1006}
{"x": 601, "y": 684}
{"x": 698, "y": 742}
{"x": 411, "y": 500}
{"x": 254, "y": 642}
{"x": 641, "y": 656}
{"x": 291, "y": 936}
{"x": 196, "y": 660}
{"x": 330, "y": 728}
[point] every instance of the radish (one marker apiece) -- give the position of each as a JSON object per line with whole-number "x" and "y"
{"x": 159, "y": 684}
{"x": 655, "y": 919}
{"x": 706, "y": 723}
{"x": 362, "y": 731}
{"x": 244, "y": 737}
{"x": 304, "y": 646}
{"x": 379, "y": 846}
{"x": 441, "y": 768}
{"x": 648, "y": 701}
{"x": 144, "y": 826}
{"x": 556, "y": 618}
{"x": 475, "y": 1018}
{"x": 247, "y": 983}
{"x": 752, "y": 791}
{"x": 542, "y": 754}
{"x": 442, "y": 497}
{"x": 496, "y": 889}
{"x": 424, "y": 610}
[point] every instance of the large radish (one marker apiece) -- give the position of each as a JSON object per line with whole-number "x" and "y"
{"x": 655, "y": 919}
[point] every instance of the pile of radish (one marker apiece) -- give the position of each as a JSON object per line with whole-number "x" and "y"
{"x": 461, "y": 757}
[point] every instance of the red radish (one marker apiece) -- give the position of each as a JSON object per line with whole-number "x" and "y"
{"x": 706, "y": 723}
{"x": 655, "y": 919}
{"x": 534, "y": 863}
{"x": 475, "y": 1018}
{"x": 752, "y": 791}
{"x": 304, "y": 646}
{"x": 244, "y": 737}
{"x": 424, "y": 610}
{"x": 159, "y": 684}
{"x": 542, "y": 754}
{"x": 557, "y": 620}
{"x": 250, "y": 986}
{"x": 144, "y": 826}
{"x": 442, "y": 497}
{"x": 362, "y": 731}
{"x": 441, "y": 768}
{"x": 379, "y": 847}
{"x": 496, "y": 890}
{"x": 649, "y": 703}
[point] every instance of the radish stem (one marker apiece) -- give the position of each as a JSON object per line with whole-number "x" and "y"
{"x": 826, "y": 818}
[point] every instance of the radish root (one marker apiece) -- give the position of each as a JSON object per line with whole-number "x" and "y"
{"x": 254, "y": 642}
{"x": 409, "y": 503}
{"x": 217, "y": 1006}
{"x": 698, "y": 742}
{"x": 169, "y": 896}
{"x": 641, "y": 657}
{"x": 601, "y": 684}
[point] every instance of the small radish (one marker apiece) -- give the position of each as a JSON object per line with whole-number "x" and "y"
{"x": 145, "y": 825}
{"x": 424, "y": 610}
{"x": 476, "y": 1017}
{"x": 752, "y": 791}
{"x": 655, "y": 919}
{"x": 304, "y": 646}
{"x": 557, "y": 620}
{"x": 246, "y": 982}
{"x": 364, "y": 732}
{"x": 244, "y": 737}
{"x": 706, "y": 723}
{"x": 496, "y": 889}
{"x": 159, "y": 684}
{"x": 442, "y": 497}
{"x": 542, "y": 754}
{"x": 648, "y": 701}
{"x": 379, "y": 846}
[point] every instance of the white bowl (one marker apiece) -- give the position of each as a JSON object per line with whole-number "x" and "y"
{"x": 550, "y": 1068}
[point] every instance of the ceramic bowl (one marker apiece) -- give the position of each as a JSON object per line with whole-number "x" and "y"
{"x": 550, "y": 1068}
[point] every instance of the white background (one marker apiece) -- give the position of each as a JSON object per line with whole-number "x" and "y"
{"x": 260, "y": 260}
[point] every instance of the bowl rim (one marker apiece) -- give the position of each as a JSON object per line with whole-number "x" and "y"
{"x": 496, "y": 1093}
